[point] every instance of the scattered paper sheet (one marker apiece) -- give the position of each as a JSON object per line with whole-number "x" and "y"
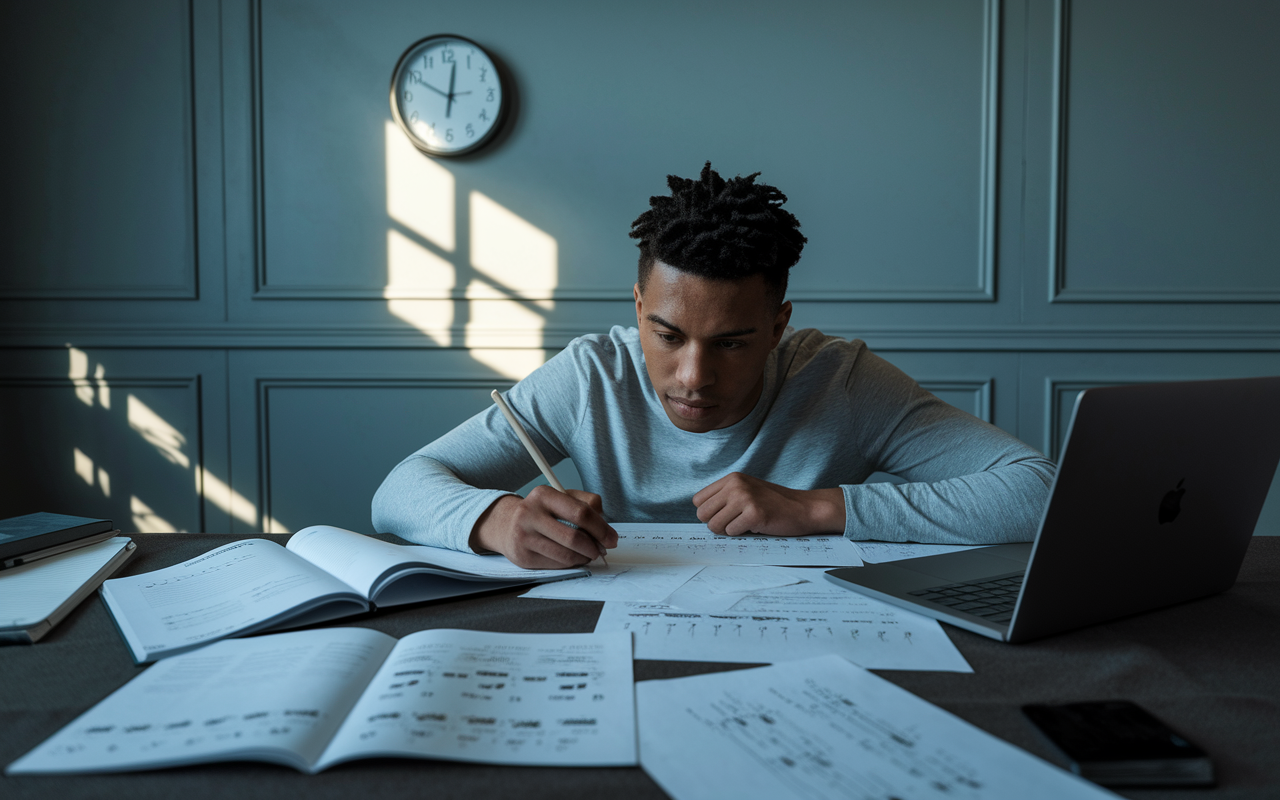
{"x": 643, "y": 583}
{"x": 720, "y": 588}
{"x": 312, "y": 699}
{"x": 881, "y": 552}
{"x": 653, "y": 543}
{"x": 870, "y": 633}
{"x": 823, "y": 728}
{"x": 524, "y": 698}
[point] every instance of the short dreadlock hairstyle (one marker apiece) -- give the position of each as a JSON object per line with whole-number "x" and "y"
{"x": 720, "y": 229}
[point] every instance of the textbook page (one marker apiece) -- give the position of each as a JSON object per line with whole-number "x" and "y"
{"x": 548, "y": 699}
{"x": 369, "y": 564}
{"x": 237, "y": 588}
{"x": 653, "y": 543}
{"x": 638, "y": 582}
{"x": 823, "y": 729}
{"x": 275, "y": 698}
{"x": 869, "y": 633}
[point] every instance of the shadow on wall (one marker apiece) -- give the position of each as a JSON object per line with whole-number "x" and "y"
{"x": 130, "y": 462}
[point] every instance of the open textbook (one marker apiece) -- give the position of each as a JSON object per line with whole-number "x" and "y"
{"x": 313, "y": 699}
{"x": 323, "y": 574}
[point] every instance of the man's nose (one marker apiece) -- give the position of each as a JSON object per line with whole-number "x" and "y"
{"x": 695, "y": 371}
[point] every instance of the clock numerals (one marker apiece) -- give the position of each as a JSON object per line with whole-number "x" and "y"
{"x": 425, "y": 98}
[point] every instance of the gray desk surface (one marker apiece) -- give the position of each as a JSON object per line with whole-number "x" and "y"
{"x": 1210, "y": 668}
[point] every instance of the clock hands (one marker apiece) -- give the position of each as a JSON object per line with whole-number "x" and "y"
{"x": 453, "y": 73}
{"x": 450, "y": 95}
{"x": 432, "y": 88}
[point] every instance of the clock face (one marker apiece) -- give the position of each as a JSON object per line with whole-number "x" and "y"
{"x": 446, "y": 95}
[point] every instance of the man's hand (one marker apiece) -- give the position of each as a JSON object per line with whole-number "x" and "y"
{"x": 738, "y": 504}
{"x": 529, "y": 531}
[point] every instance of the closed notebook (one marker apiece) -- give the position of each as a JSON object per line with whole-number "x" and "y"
{"x": 34, "y": 597}
{"x": 33, "y": 536}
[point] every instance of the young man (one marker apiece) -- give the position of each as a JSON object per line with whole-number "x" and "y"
{"x": 712, "y": 409}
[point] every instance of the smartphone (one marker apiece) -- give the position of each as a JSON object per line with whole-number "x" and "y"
{"x": 1119, "y": 743}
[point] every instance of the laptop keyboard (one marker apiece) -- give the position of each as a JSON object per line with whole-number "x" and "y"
{"x": 991, "y": 599}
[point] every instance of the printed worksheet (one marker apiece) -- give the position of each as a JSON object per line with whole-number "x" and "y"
{"x": 312, "y": 699}
{"x": 883, "y": 552}
{"x": 823, "y": 728}
{"x": 652, "y": 543}
{"x": 872, "y": 634}
{"x": 643, "y": 583}
{"x": 515, "y": 698}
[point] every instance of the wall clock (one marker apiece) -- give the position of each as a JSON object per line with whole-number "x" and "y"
{"x": 447, "y": 95}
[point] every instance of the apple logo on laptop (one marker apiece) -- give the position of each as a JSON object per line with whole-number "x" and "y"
{"x": 1171, "y": 505}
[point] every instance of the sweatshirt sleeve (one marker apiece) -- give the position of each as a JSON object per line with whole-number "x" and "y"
{"x": 435, "y": 496}
{"x": 968, "y": 482}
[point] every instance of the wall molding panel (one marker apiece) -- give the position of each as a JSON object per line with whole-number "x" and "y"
{"x": 1060, "y": 290}
{"x": 1009, "y": 201}
{"x": 180, "y": 281}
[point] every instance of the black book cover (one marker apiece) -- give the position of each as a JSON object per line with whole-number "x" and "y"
{"x": 32, "y": 532}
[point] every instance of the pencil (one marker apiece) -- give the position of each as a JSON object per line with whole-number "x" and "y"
{"x": 538, "y": 459}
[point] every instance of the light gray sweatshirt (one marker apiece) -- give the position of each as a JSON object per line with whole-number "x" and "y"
{"x": 831, "y": 413}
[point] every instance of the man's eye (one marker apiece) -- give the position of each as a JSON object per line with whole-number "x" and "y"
{"x": 667, "y": 337}
{"x": 730, "y": 345}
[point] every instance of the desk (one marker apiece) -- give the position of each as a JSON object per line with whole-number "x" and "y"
{"x": 1210, "y": 668}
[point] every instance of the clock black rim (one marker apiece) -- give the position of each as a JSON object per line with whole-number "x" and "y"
{"x": 498, "y": 123}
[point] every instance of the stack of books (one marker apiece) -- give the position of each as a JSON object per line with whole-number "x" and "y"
{"x": 49, "y": 563}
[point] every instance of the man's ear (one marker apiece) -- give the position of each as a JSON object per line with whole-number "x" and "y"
{"x": 635, "y": 291}
{"x": 780, "y": 322}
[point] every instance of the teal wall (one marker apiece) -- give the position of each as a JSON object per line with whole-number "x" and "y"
{"x": 231, "y": 297}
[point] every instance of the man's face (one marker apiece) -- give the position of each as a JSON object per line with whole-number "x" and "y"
{"x": 705, "y": 344}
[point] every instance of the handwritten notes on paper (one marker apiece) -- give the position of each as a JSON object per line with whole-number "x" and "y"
{"x": 822, "y": 728}
{"x": 650, "y": 543}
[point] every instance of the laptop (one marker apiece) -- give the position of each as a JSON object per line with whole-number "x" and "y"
{"x": 1158, "y": 490}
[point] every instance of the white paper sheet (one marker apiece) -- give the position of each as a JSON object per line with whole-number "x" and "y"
{"x": 870, "y": 633}
{"x": 277, "y": 697}
{"x": 823, "y": 728}
{"x": 362, "y": 561}
{"x": 643, "y": 583}
{"x": 720, "y": 588}
{"x": 519, "y": 698}
{"x": 805, "y": 591}
{"x": 882, "y": 552}
{"x": 652, "y": 543}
